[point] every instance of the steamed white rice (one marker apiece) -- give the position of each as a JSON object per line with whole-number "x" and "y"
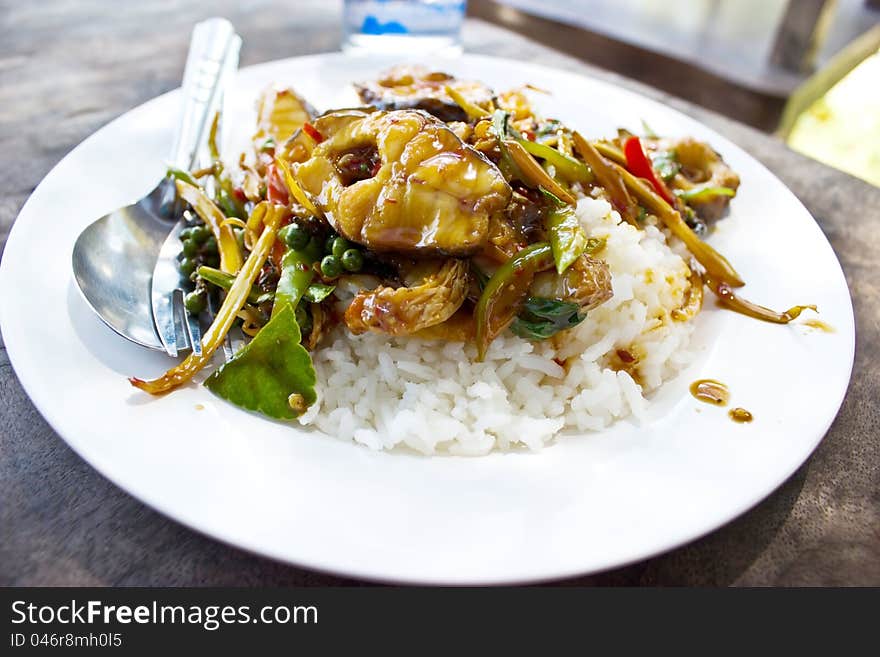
{"x": 434, "y": 397}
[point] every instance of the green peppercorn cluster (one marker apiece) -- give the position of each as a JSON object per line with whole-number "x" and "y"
{"x": 340, "y": 255}
{"x": 199, "y": 247}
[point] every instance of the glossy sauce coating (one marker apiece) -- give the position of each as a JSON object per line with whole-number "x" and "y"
{"x": 740, "y": 415}
{"x": 710, "y": 392}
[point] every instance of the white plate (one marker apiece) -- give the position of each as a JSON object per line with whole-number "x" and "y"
{"x": 587, "y": 503}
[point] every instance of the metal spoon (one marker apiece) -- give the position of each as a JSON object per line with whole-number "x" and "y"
{"x": 114, "y": 257}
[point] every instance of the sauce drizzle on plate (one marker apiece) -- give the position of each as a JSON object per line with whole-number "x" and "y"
{"x": 740, "y": 415}
{"x": 819, "y": 324}
{"x": 710, "y": 392}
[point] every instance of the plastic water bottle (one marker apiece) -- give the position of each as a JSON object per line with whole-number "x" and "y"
{"x": 402, "y": 27}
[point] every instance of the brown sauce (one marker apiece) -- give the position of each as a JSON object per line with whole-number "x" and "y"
{"x": 710, "y": 392}
{"x": 626, "y": 360}
{"x": 740, "y": 415}
{"x": 819, "y": 324}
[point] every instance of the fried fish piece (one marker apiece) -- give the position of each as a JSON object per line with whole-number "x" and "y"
{"x": 402, "y": 181}
{"x": 406, "y": 310}
{"x": 415, "y": 87}
{"x": 700, "y": 166}
{"x": 587, "y": 283}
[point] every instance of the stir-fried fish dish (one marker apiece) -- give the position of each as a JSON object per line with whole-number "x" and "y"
{"x": 445, "y": 269}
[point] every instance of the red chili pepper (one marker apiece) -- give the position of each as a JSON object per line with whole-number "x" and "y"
{"x": 238, "y": 192}
{"x": 640, "y": 166}
{"x": 276, "y": 191}
{"x": 312, "y": 132}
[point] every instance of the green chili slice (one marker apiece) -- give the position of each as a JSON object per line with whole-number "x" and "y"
{"x": 296, "y": 276}
{"x": 703, "y": 193}
{"x": 566, "y": 235}
{"x": 567, "y": 167}
{"x": 505, "y": 292}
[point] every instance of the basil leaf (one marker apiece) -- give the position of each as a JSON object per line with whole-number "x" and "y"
{"x": 273, "y": 374}
{"x": 532, "y": 330}
{"x": 541, "y": 318}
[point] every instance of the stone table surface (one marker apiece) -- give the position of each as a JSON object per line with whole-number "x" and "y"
{"x": 68, "y": 68}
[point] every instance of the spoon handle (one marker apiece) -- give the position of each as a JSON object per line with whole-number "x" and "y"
{"x": 213, "y": 56}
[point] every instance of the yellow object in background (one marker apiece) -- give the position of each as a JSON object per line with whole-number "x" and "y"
{"x": 842, "y": 128}
{"x": 834, "y": 117}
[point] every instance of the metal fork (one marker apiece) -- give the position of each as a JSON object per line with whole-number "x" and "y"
{"x": 179, "y": 330}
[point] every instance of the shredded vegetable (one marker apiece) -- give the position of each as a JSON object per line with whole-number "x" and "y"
{"x": 224, "y": 281}
{"x": 533, "y": 174}
{"x": 713, "y": 262}
{"x": 472, "y": 110}
{"x": 608, "y": 178}
{"x": 293, "y": 187}
{"x": 232, "y": 304}
{"x": 230, "y": 252}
